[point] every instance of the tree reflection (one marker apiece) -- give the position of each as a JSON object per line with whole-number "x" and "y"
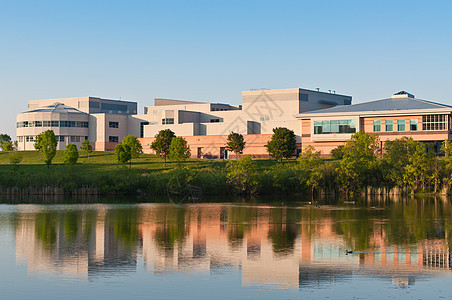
{"x": 172, "y": 226}
{"x": 283, "y": 229}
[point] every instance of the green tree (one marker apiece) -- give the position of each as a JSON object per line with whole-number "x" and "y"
{"x": 236, "y": 143}
{"x": 134, "y": 145}
{"x": 46, "y": 143}
{"x": 396, "y": 157}
{"x": 162, "y": 142}
{"x": 359, "y": 163}
{"x": 179, "y": 149}
{"x": 282, "y": 144}
{"x": 421, "y": 171}
{"x": 242, "y": 174}
{"x": 338, "y": 152}
{"x": 15, "y": 159}
{"x": 5, "y": 139}
{"x": 447, "y": 149}
{"x": 309, "y": 158}
{"x": 70, "y": 154}
{"x": 8, "y": 146}
{"x": 86, "y": 146}
{"x": 122, "y": 153}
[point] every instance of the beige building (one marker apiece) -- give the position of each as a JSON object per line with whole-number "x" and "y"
{"x": 104, "y": 122}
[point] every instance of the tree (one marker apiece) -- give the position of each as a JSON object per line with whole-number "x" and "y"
{"x": 282, "y": 144}
{"x": 15, "y": 159}
{"x": 179, "y": 149}
{"x": 8, "y": 146}
{"x": 86, "y": 146}
{"x": 162, "y": 142}
{"x": 122, "y": 153}
{"x": 309, "y": 158}
{"x": 70, "y": 154}
{"x": 5, "y": 139}
{"x": 235, "y": 143}
{"x": 134, "y": 145}
{"x": 338, "y": 152}
{"x": 242, "y": 174}
{"x": 359, "y": 162}
{"x": 46, "y": 143}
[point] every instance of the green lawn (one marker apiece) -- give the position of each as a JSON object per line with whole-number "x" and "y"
{"x": 105, "y": 161}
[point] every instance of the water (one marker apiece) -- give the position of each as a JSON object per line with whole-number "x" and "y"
{"x": 226, "y": 251}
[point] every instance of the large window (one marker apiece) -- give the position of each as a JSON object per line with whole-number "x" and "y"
{"x": 118, "y": 107}
{"x": 389, "y": 125}
{"x": 434, "y": 122}
{"x": 60, "y": 138}
{"x": 400, "y": 125}
{"x": 142, "y": 124}
{"x": 168, "y": 121}
{"x": 67, "y": 123}
{"x": 377, "y": 126}
{"x": 113, "y": 139}
{"x": 413, "y": 124}
{"x": 334, "y": 126}
{"x": 113, "y": 124}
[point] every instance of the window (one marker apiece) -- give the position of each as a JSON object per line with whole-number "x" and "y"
{"x": 54, "y": 123}
{"x": 22, "y": 124}
{"x": 29, "y": 138}
{"x": 75, "y": 139}
{"x": 334, "y": 126}
{"x": 118, "y": 107}
{"x": 389, "y": 125}
{"x": 67, "y": 123}
{"x": 93, "y": 104}
{"x": 154, "y": 123}
{"x": 21, "y": 138}
{"x": 38, "y": 123}
{"x": 113, "y": 124}
{"x": 214, "y": 120}
{"x": 434, "y": 122}
{"x": 113, "y": 139}
{"x": 168, "y": 121}
{"x": 60, "y": 138}
{"x": 142, "y": 124}
{"x": 45, "y": 123}
{"x": 413, "y": 124}
{"x": 82, "y": 124}
{"x": 377, "y": 126}
{"x": 400, "y": 125}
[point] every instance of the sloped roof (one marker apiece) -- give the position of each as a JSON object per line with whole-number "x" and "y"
{"x": 57, "y": 108}
{"x": 383, "y": 105}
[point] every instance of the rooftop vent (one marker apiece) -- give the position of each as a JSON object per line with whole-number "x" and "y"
{"x": 402, "y": 94}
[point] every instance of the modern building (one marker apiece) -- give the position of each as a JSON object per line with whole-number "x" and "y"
{"x": 392, "y": 118}
{"x": 104, "y": 122}
{"x": 206, "y": 126}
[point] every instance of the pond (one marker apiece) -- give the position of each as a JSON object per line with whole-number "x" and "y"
{"x": 227, "y": 250}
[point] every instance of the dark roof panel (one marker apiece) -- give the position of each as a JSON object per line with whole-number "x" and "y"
{"x": 57, "y": 108}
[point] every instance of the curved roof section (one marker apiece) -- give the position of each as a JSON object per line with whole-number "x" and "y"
{"x": 57, "y": 108}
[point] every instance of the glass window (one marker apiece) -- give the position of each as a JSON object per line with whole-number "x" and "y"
{"x": 21, "y": 138}
{"x": 168, "y": 121}
{"x": 118, "y": 107}
{"x": 413, "y": 124}
{"x": 434, "y": 122}
{"x": 46, "y": 123}
{"x": 400, "y": 125}
{"x": 389, "y": 125}
{"x": 377, "y": 126}
{"x": 113, "y": 124}
{"x": 54, "y": 123}
{"x": 113, "y": 139}
{"x": 60, "y": 138}
{"x": 334, "y": 126}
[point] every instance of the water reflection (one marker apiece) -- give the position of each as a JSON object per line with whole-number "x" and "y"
{"x": 277, "y": 246}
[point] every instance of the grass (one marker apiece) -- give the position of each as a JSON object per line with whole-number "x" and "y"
{"x": 100, "y": 161}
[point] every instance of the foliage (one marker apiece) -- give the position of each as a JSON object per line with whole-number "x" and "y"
{"x": 282, "y": 144}
{"x": 134, "y": 145}
{"x": 46, "y": 143}
{"x": 86, "y": 146}
{"x": 122, "y": 153}
{"x": 309, "y": 158}
{"x": 236, "y": 143}
{"x": 359, "y": 164}
{"x": 162, "y": 142}
{"x": 338, "y": 152}
{"x": 5, "y": 139}
{"x": 70, "y": 154}
{"x": 179, "y": 149}
{"x": 242, "y": 174}
{"x": 8, "y": 146}
{"x": 15, "y": 159}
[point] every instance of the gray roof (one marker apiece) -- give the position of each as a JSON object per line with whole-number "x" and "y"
{"x": 57, "y": 108}
{"x": 390, "y": 104}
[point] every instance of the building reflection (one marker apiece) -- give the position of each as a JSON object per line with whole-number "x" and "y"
{"x": 283, "y": 246}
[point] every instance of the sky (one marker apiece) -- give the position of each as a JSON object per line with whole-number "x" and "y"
{"x": 214, "y": 50}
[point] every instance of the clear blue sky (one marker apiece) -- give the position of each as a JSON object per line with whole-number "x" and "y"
{"x": 212, "y": 50}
